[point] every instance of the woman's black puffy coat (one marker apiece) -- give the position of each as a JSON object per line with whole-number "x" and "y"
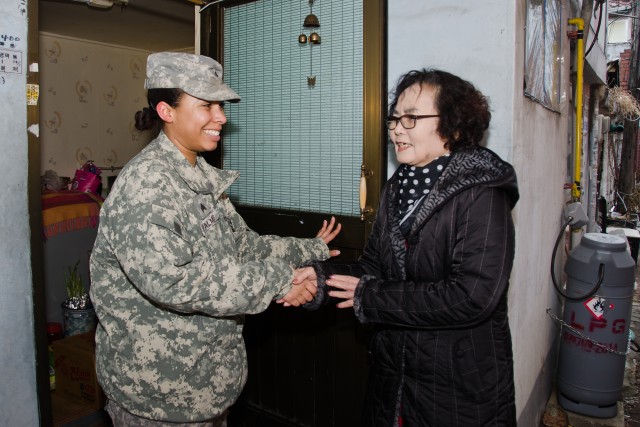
{"x": 441, "y": 353}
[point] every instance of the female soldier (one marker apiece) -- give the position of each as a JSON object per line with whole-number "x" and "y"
{"x": 175, "y": 268}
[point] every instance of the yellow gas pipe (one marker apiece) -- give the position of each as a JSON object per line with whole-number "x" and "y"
{"x": 577, "y": 165}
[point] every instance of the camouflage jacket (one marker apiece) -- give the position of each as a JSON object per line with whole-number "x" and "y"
{"x": 173, "y": 271}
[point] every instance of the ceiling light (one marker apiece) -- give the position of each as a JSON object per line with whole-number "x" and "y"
{"x": 103, "y": 4}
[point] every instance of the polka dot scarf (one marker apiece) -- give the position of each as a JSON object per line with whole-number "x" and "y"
{"x": 414, "y": 184}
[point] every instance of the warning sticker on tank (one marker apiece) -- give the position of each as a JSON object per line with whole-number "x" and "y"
{"x": 596, "y": 306}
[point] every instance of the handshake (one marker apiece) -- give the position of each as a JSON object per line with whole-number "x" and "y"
{"x": 304, "y": 285}
{"x": 304, "y": 288}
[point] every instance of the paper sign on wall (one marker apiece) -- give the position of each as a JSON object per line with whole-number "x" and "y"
{"x": 33, "y": 92}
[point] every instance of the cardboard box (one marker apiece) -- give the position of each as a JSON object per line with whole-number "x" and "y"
{"x": 67, "y": 410}
{"x": 75, "y": 366}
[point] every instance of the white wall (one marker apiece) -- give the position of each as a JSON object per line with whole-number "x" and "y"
{"x": 473, "y": 41}
{"x": 483, "y": 42}
{"x": 18, "y": 396}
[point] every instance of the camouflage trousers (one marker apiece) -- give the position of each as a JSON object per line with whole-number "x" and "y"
{"x": 122, "y": 418}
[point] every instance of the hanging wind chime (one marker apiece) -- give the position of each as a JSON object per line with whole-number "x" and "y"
{"x": 311, "y": 21}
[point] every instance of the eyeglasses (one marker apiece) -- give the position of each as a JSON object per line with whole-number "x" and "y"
{"x": 408, "y": 121}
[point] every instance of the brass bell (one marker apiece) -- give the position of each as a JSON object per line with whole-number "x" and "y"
{"x": 311, "y": 21}
{"x": 302, "y": 39}
{"x": 314, "y": 38}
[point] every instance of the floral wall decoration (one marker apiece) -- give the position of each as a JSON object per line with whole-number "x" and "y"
{"x": 89, "y": 95}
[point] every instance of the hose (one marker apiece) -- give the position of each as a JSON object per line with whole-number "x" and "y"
{"x": 553, "y": 276}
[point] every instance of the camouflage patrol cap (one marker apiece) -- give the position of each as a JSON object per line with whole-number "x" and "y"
{"x": 197, "y": 75}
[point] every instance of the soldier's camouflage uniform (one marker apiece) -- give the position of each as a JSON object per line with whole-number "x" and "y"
{"x": 173, "y": 270}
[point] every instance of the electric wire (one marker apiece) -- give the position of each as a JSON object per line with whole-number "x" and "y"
{"x": 595, "y": 36}
{"x": 202, "y": 9}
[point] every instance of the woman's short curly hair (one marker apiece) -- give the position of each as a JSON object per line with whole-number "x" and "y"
{"x": 463, "y": 109}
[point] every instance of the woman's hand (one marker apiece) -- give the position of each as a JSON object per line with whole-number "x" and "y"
{"x": 347, "y": 287}
{"x": 299, "y": 295}
{"x": 328, "y": 232}
{"x": 303, "y": 274}
{"x": 304, "y": 278}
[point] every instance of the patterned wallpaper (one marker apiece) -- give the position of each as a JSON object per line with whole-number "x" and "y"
{"x": 89, "y": 94}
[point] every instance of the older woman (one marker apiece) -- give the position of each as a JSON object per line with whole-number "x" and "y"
{"x": 434, "y": 274}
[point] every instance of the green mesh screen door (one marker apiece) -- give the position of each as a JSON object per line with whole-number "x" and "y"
{"x": 297, "y": 146}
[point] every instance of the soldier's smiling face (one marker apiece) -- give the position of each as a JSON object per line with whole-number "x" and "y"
{"x": 194, "y": 125}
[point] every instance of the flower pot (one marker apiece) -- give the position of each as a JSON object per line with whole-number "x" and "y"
{"x": 79, "y": 321}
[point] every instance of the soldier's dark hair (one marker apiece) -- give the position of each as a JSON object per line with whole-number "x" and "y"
{"x": 148, "y": 118}
{"x": 463, "y": 109}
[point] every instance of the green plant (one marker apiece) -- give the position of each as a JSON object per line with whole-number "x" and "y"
{"x": 73, "y": 281}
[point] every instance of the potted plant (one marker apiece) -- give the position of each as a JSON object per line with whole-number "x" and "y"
{"x": 79, "y": 315}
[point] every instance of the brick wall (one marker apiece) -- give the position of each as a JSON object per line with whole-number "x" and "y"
{"x": 623, "y": 70}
